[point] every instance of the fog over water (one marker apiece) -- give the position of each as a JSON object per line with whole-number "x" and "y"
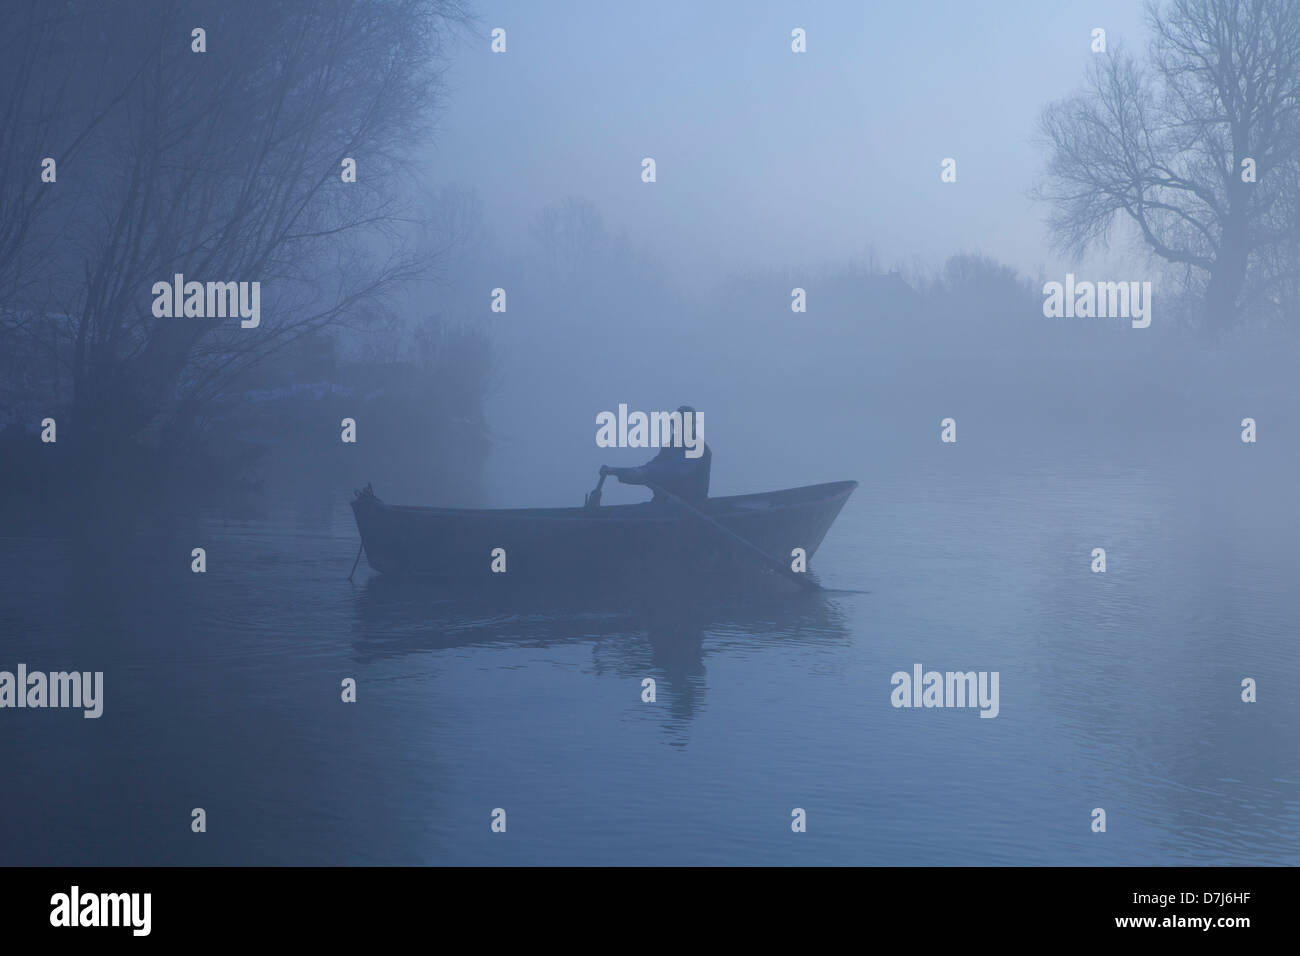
{"x": 775, "y": 172}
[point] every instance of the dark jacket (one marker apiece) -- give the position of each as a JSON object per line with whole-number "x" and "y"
{"x": 688, "y": 478}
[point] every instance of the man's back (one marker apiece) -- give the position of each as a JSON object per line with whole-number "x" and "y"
{"x": 685, "y": 477}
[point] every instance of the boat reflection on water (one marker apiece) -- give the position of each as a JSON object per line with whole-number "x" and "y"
{"x": 632, "y": 634}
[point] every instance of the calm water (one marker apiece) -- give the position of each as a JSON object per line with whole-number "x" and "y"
{"x": 1119, "y": 691}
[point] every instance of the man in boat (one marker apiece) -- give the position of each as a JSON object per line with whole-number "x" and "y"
{"x": 672, "y": 469}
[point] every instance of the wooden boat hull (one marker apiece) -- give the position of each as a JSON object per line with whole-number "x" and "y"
{"x": 620, "y": 543}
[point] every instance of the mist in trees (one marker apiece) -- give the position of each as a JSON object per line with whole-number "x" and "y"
{"x": 145, "y": 140}
{"x": 304, "y": 149}
{"x": 1195, "y": 147}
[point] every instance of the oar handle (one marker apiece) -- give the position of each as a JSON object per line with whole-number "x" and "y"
{"x": 593, "y": 498}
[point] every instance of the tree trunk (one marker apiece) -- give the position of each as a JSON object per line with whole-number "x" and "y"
{"x": 1228, "y": 278}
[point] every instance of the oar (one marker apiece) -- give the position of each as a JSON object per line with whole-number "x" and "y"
{"x": 775, "y": 563}
{"x": 593, "y": 499}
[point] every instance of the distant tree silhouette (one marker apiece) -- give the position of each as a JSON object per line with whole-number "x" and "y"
{"x": 222, "y": 166}
{"x": 1162, "y": 145}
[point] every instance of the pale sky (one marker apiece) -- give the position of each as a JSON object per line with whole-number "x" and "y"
{"x": 766, "y": 157}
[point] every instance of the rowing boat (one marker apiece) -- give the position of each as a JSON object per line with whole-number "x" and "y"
{"x": 619, "y": 543}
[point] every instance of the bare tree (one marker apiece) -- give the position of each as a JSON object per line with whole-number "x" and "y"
{"x": 222, "y": 165}
{"x": 1169, "y": 147}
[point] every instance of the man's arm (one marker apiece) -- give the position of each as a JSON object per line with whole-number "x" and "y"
{"x": 664, "y": 466}
{"x": 626, "y": 476}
